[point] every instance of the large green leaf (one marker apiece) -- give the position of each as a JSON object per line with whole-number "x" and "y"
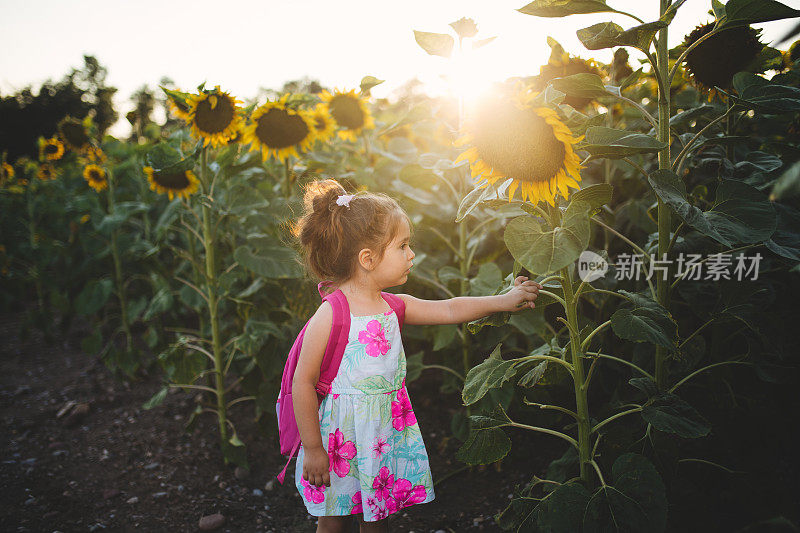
{"x": 275, "y": 262}
{"x": 561, "y": 511}
{"x": 542, "y": 251}
{"x": 472, "y": 199}
{"x": 645, "y": 321}
{"x": 563, "y": 8}
{"x": 491, "y": 373}
{"x": 670, "y": 414}
{"x": 764, "y": 96}
{"x": 609, "y": 35}
{"x": 122, "y": 212}
{"x": 487, "y": 442}
{"x": 740, "y": 12}
{"x": 786, "y": 239}
{"x": 582, "y": 85}
{"x": 616, "y": 144}
{"x": 93, "y": 296}
{"x": 436, "y": 44}
{"x": 596, "y": 196}
{"x": 161, "y": 301}
{"x": 740, "y": 214}
{"x": 635, "y": 502}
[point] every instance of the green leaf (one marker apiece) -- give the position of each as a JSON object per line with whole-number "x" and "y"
{"x": 122, "y": 212}
{"x": 767, "y": 98}
{"x": 583, "y": 85}
{"x": 741, "y": 213}
{"x": 788, "y": 184}
{"x": 645, "y": 321}
{"x": 534, "y": 375}
{"x": 609, "y": 35}
{"x": 596, "y": 196}
{"x": 443, "y": 336}
{"x": 472, "y": 199}
{"x": 274, "y": 262}
{"x": 368, "y": 82}
{"x": 93, "y": 296}
{"x": 560, "y": 511}
{"x": 491, "y": 373}
{"x": 670, "y": 414}
{"x": 646, "y": 385}
{"x": 616, "y": 144}
{"x": 635, "y": 502}
{"x": 160, "y": 303}
{"x": 157, "y": 399}
{"x": 495, "y": 319}
{"x": 436, "y": 44}
{"x": 446, "y": 274}
{"x": 563, "y": 8}
{"x": 488, "y": 281}
{"x": 487, "y": 442}
{"x": 414, "y": 366}
{"x": 543, "y": 252}
{"x": 786, "y": 239}
{"x": 741, "y": 12}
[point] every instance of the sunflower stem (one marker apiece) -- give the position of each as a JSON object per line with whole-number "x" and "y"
{"x": 287, "y": 190}
{"x": 118, "y": 267}
{"x": 664, "y": 163}
{"x": 213, "y": 307}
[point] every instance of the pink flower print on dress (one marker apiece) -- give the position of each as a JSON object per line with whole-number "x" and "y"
{"x": 380, "y": 446}
{"x": 374, "y": 338}
{"x": 335, "y": 396}
{"x": 402, "y": 415}
{"x": 339, "y": 452}
{"x": 357, "y": 506}
{"x": 383, "y": 484}
{"x": 403, "y": 495}
{"x": 312, "y": 493}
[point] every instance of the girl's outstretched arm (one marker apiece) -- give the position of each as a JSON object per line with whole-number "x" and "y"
{"x": 304, "y": 396}
{"x": 466, "y": 308}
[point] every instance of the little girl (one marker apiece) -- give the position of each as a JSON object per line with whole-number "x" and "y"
{"x": 362, "y": 450}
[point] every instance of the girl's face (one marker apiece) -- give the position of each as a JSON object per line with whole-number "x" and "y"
{"x": 394, "y": 267}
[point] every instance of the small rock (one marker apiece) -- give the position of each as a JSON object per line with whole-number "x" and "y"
{"x": 212, "y": 522}
{"x": 270, "y": 485}
{"x": 29, "y": 501}
{"x": 110, "y": 493}
{"x": 151, "y": 466}
{"x": 157, "y": 495}
{"x": 78, "y": 413}
{"x": 133, "y": 500}
{"x": 222, "y": 485}
{"x": 257, "y": 492}
{"x": 440, "y": 531}
{"x": 241, "y": 473}
{"x": 55, "y": 445}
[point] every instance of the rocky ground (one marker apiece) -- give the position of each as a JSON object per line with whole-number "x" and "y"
{"x": 80, "y": 454}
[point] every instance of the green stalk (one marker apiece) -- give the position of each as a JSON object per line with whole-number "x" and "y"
{"x": 579, "y": 377}
{"x": 211, "y": 280}
{"x": 664, "y": 214}
{"x": 465, "y": 338}
{"x": 34, "y": 270}
{"x": 118, "y": 266}
{"x": 287, "y": 187}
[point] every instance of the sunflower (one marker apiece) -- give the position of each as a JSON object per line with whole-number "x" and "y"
{"x": 46, "y": 172}
{"x": 180, "y": 109}
{"x": 349, "y": 111}
{"x": 718, "y": 58}
{"x": 96, "y": 177}
{"x": 279, "y": 130}
{"x": 74, "y": 134}
{"x": 561, "y": 64}
{"x": 6, "y": 173}
{"x": 324, "y": 126}
{"x": 512, "y": 138}
{"x": 172, "y": 183}
{"x": 52, "y": 149}
{"x": 214, "y": 117}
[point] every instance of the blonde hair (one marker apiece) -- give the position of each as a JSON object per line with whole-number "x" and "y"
{"x": 331, "y": 235}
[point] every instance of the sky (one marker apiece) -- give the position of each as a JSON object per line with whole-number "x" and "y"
{"x": 242, "y": 45}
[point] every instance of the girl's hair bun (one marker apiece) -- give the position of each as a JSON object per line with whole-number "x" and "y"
{"x": 321, "y": 194}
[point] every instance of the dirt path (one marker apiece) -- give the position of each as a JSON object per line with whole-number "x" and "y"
{"x": 108, "y": 465}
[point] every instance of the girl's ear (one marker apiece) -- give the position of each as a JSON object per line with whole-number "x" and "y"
{"x": 366, "y": 258}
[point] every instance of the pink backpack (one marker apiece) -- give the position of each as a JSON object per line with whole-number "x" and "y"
{"x": 340, "y": 328}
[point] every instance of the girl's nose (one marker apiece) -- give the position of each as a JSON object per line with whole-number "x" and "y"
{"x": 412, "y": 252}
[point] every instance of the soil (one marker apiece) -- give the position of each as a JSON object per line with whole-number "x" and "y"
{"x": 106, "y": 464}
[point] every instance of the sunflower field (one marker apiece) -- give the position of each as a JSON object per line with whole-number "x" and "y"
{"x": 657, "y": 203}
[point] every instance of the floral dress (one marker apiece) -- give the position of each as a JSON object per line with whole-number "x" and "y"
{"x": 378, "y": 461}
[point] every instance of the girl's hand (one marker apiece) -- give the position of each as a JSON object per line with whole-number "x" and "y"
{"x": 522, "y": 295}
{"x": 316, "y": 467}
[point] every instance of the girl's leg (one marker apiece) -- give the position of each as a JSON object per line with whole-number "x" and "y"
{"x": 334, "y": 524}
{"x": 379, "y": 526}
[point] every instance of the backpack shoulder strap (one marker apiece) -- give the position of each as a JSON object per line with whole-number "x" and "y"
{"x": 337, "y": 341}
{"x": 398, "y": 306}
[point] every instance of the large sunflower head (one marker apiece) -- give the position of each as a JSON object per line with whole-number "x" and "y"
{"x": 324, "y": 125}
{"x": 180, "y": 183}
{"x": 513, "y": 138}
{"x": 715, "y": 60}
{"x": 46, "y": 172}
{"x": 214, "y": 117}
{"x": 51, "y": 149}
{"x": 96, "y": 177}
{"x": 74, "y": 134}
{"x": 279, "y": 130}
{"x": 350, "y": 112}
